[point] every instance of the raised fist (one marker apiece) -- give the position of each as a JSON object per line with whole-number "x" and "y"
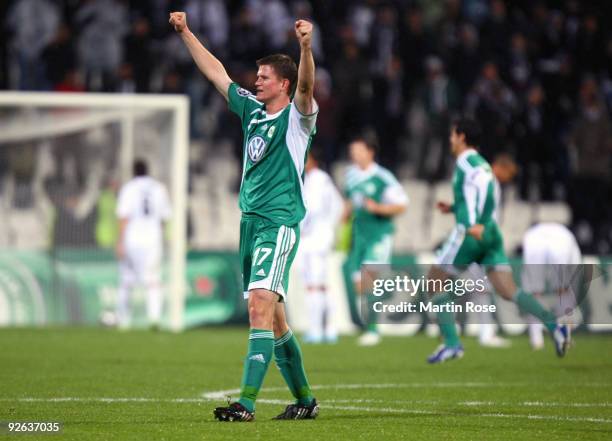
{"x": 303, "y": 31}
{"x": 179, "y": 21}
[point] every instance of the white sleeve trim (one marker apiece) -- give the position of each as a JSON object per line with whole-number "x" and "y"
{"x": 475, "y": 190}
{"x": 395, "y": 195}
{"x": 306, "y": 122}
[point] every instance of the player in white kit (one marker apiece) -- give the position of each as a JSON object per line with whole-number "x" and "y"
{"x": 143, "y": 208}
{"x": 551, "y": 257}
{"x": 324, "y": 208}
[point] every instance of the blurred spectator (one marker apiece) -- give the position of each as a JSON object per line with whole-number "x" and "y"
{"x": 4, "y": 36}
{"x": 327, "y": 120}
{"x": 493, "y": 103}
{"x": 590, "y": 44}
{"x": 440, "y": 98}
{"x": 101, "y": 25}
{"x": 32, "y": 25}
{"x": 208, "y": 19}
{"x": 466, "y": 60}
{"x": 353, "y": 88}
{"x": 244, "y": 50}
{"x": 496, "y": 31}
{"x": 519, "y": 66}
{"x": 591, "y": 142}
{"x": 361, "y": 19}
{"x": 139, "y": 54}
{"x": 535, "y": 146}
{"x": 414, "y": 47}
{"x": 273, "y": 18}
{"x": 59, "y": 56}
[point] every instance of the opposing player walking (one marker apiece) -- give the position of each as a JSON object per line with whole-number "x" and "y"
{"x": 317, "y": 228}
{"x": 143, "y": 208}
{"x": 277, "y": 133}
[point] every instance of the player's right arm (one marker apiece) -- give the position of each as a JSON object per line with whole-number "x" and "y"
{"x": 208, "y": 64}
{"x": 444, "y": 207}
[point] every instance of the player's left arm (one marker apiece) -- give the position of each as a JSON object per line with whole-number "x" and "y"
{"x": 306, "y": 71}
{"x": 119, "y": 247}
{"x": 124, "y": 201}
{"x": 347, "y": 211}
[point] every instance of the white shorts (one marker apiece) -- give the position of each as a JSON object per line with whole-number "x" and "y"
{"x": 551, "y": 259}
{"x": 141, "y": 265}
{"x": 312, "y": 257}
{"x": 313, "y": 268}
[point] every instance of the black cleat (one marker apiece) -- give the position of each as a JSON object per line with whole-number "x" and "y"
{"x": 297, "y": 412}
{"x": 233, "y": 412}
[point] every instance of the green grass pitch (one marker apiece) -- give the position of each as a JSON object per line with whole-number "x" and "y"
{"x": 109, "y": 385}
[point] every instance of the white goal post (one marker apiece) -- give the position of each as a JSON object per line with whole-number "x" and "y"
{"x": 123, "y": 109}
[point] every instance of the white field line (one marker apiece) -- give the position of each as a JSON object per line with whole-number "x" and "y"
{"x": 327, "y": 401}
{"x": 326, "y": 406}
{"x": 221, "y": 394}
{"x": 337, "y": 404}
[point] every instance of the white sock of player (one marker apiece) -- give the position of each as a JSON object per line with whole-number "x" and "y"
{"x": 486, "y": 332}
{"x": 487, "y": 328}
{"x": 536, "y": 332}
{"x": 331, "y": 332}
{"x": 154, "y": 303}
{"x": 123, "y": 304}
{"x": 315, "y": 303}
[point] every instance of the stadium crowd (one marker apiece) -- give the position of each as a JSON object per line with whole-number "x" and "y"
{"x": 537, "y": 74}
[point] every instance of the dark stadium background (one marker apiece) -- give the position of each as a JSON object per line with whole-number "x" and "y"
{"x": 537, "y": 74}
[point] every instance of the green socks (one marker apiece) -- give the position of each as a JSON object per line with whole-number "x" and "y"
{"x": 528, "y": 303}
{"x": 351, "y": 295}
{"x": 446, "y": 320}
{"x": 261, "y": 345}
{"x": 289, "y": 360}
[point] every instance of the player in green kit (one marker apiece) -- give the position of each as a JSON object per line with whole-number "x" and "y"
{"x": 477, "y": 238}
{"x": 277, "y": 134}
{"x": 373, "y": 197}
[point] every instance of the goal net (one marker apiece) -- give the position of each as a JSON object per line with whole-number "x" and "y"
{"x": 63, "y": 158}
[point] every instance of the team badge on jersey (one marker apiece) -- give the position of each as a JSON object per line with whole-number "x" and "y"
{"x": 256, "y": 148}
{"x": 242, "y": 92}
{"x": 271, "y": 131}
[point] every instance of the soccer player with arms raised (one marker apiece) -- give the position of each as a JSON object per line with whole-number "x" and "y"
{"x": 277, "y": 133}
{"x": 477, "y": 238}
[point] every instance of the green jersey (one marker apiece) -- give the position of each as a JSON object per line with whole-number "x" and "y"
{"x": 378, "y": 184}
{"x": 275, "y": 149}
{"x": 475, "y": 190}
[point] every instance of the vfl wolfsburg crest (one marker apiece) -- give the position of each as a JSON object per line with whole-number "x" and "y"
{"x": 256, "y": 148}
